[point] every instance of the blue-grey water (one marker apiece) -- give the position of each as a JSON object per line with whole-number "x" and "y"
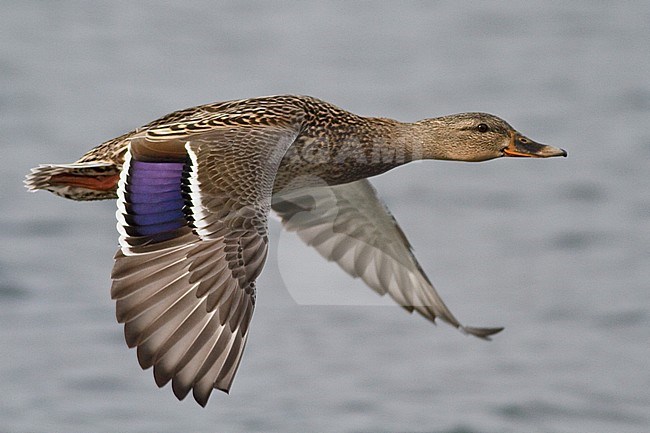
{"x": 557, "y": 251}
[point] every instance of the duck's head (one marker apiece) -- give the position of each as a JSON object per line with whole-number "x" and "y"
{"x": 477, "y": 137}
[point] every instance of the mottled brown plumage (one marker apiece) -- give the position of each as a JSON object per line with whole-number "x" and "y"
{"x": 194, "y": 191}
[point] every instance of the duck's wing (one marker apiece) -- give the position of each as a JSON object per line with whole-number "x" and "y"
{"x": 192, "y": 214}
{"x": 350, "y": 225}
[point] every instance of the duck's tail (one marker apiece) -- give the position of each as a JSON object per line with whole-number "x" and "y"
{"x": 95, "y": 180}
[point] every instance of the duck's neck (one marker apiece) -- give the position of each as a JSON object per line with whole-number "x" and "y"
{"x": 422, "y": 140}
{"x": 391, "y": 143}
{"x": 361, "y": 148}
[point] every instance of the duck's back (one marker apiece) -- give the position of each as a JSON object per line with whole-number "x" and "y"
{"x": 333, "y": 146}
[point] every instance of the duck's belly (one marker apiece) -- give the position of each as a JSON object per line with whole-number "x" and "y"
{"x": 319, "y": 162}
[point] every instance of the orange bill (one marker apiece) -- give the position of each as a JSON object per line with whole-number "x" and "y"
{"x": 521, "y": 146}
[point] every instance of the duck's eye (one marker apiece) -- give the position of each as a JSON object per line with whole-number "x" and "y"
{"x": 482, "y": 127}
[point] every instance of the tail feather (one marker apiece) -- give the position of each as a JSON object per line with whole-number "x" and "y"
{"x": 95, "y": 180}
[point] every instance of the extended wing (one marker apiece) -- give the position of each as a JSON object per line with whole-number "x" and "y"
{"x": 349, "y": 224}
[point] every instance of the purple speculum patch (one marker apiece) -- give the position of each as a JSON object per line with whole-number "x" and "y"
{"x": 154, "y": 199}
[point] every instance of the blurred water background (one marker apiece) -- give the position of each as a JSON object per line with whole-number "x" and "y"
{"x": 557, "y": 251}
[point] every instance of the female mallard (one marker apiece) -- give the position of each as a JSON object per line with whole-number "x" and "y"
{"x": 194, "y": 191}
